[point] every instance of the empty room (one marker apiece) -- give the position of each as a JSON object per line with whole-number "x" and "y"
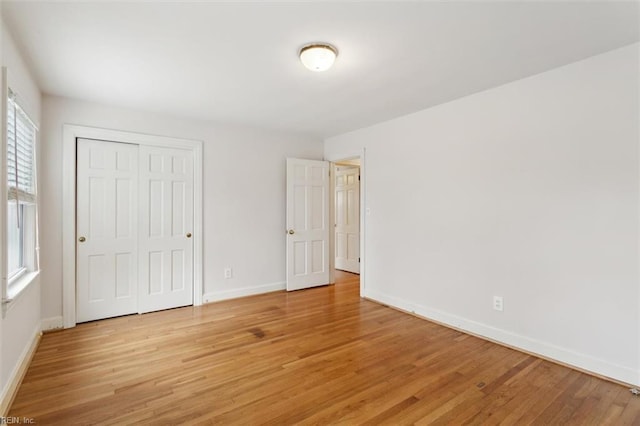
{"x": 320, "y": 212}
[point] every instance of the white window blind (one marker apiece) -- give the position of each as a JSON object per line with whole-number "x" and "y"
{"x": 21, "y": 134}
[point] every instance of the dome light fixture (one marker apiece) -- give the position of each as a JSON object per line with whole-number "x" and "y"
{"x": 318, "y": 56}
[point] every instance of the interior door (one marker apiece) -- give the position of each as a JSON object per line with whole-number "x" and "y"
{"x": 106, "y": 232}
{"x": 347, "y": 229}
{"x": 166, "y": 224}
{"x": 307, "y": 223}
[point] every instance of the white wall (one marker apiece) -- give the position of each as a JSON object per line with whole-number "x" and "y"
{"x": 244, "y": 195}
{"x": 527, "y": 191}
{"x": 22, "y": 321}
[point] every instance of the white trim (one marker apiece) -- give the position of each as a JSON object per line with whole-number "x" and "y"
{"x": 3, "y": 183}
{"x": 216, "y": 296}
{"x": 15, "y": 277}
{"x": 19, "y": 370}
{"x": 332, "y": 222}
{"x": 348, "y": 155}
{"x": 363, "y": 219}
{"x": 69, "y": 135}
{"x": 533, "y": 346}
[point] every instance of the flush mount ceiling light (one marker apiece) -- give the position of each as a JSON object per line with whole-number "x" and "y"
{"x": 318, "y": 56}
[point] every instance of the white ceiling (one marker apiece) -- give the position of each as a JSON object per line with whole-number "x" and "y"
{"x": 237, "y": 62}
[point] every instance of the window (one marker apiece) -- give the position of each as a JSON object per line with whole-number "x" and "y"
{"x": 21, "y": 190}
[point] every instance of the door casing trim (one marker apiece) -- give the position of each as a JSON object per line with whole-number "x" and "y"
{"x": 69, "y": 135}
{"x": 349, "y": 155}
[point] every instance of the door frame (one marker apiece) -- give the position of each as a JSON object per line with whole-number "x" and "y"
{"x": 69, "y": 135}
{"x": 349, "y": 155}
{"x": 335, "y": 166}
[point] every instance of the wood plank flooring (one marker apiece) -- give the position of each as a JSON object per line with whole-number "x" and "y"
{"x": 319, "y": 356}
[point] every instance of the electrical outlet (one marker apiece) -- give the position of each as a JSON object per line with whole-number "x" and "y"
{"x": 498, "y": 303}
{"x": 228, "y": 273}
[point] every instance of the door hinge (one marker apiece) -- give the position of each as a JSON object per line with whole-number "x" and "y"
{"x": 358, "y": 260}
{"x": 358, "y": 178}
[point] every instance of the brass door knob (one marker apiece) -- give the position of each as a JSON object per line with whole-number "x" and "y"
{"x": 291, "y": 232}
{"x": 82, "y": 239}
{"x": 188, "y": 234}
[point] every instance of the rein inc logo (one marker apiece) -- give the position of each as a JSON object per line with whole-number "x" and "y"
{"x": 17, "y": 421}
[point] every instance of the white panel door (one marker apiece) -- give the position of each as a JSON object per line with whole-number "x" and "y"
{"x": 166, "y": 223}
{"x": 307, "y": 223}
{"x": 347, "y": 229}
{"x": 106, "y": 232}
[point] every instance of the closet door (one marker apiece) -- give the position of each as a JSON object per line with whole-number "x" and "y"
{"x": 166, "y": 224}
{"x": 106, "y": 229}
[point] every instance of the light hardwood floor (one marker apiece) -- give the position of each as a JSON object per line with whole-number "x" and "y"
{"x": 319, "y": 356}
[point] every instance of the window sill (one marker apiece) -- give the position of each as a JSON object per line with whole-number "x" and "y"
{"x": 17, "y": 288}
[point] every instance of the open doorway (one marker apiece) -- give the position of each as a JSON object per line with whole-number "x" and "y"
{"x": 346, "y": 215}
{"x": 311, "y": 221}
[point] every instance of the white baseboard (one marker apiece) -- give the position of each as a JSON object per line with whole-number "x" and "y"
{"x": 216, "y": 296}
{"x": 52, "y": 323}
{"x": 533, "y": 346}
{"x": 19, "y": 370}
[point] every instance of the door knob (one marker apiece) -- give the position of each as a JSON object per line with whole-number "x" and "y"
{"x": 82, "y": 239}
{"x": 291, "y": 232}
{"x": 188, "y": 234}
